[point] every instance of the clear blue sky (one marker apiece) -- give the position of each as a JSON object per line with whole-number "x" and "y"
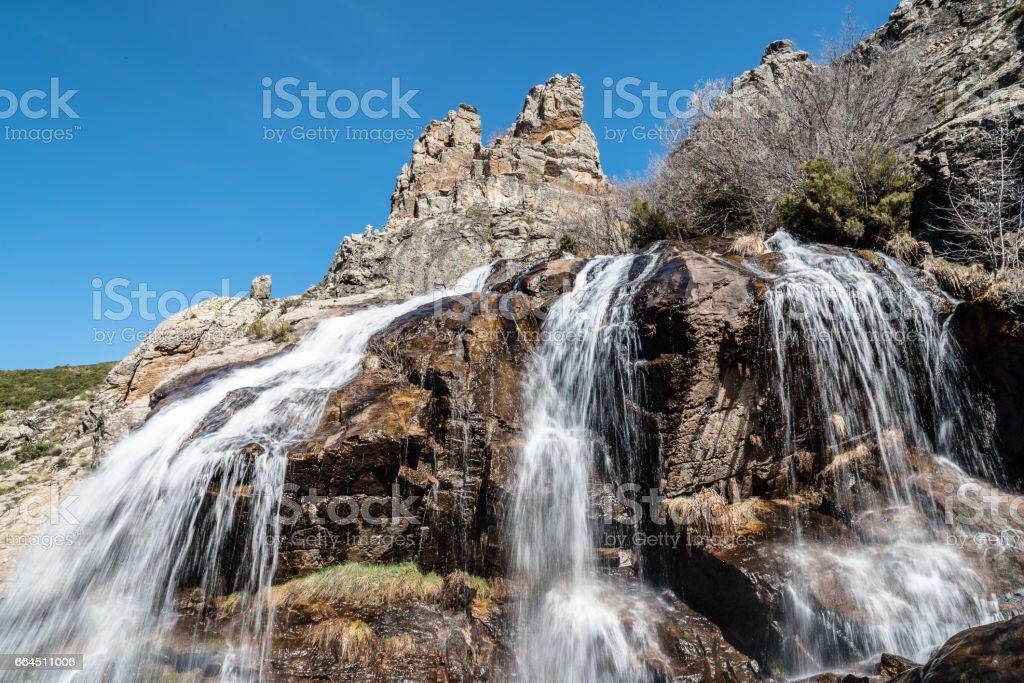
{"x": 167, "y": 179}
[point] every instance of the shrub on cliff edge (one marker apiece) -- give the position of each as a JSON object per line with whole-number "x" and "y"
{"x": 864, "y": 204}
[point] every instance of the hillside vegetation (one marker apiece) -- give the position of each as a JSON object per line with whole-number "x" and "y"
{"x": 21, "y": 388}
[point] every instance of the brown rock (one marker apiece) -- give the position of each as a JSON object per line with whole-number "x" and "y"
{"x": 991, "y": 653}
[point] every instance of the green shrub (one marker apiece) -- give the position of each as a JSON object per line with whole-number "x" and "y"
{"x": 21, "y": 388}
{"x": 289, "y": 304}
{"x": 279, "y": 332}
{"x": 647, "y": 225}
{"x": 33, "y": 451}
{"x": 1016, "y": 12}
{"x": 567, "y": 244}
{"x": 864, "y": 204}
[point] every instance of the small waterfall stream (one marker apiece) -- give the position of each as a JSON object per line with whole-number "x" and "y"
{"x": 167, "y": 506}
{"x": 868, "y": 378}
{"x": 571, "y": 623}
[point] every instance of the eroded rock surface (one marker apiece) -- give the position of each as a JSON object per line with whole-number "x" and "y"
{"x": 459, "y": 203}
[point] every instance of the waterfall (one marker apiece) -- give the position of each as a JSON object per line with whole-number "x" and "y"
{"x": 190, "y": 499}
{"x": 571, "y": 623}
{"x": 869, "y": 380}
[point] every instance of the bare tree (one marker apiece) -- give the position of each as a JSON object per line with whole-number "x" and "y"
{"x": 745, "y": 152}
{"x": 599, "y": 228}
{"x": 985, "y": 219}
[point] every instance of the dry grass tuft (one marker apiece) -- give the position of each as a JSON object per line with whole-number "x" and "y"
{"x": 905, "y": 248}
{"x": 707, "y": 512}
{"x": 1008, "y": 287}
{"x": 804, "y": 461}
{"x": 856, "y": 456}
{"x": 965, "y": 282}
{"x": 745, "y": 246}
{"x": 346, "y": 641}
{"x": 401, "y": 646}
{"x": 233, "y": 604}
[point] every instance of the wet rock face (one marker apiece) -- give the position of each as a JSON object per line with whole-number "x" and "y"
{"x": 459, "y": 203}
{"x": 436, "y": 416}
{"x": 741, "y": 585}
{"x": 994, "y": 652}
{"x": 700, "y": 346}
{"x": 432, "y": 423}
{"x": 993, "y": 344}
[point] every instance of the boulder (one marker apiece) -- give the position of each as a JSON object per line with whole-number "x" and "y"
{"x": 260, "y": 288}
{"x": 992, "y": 653}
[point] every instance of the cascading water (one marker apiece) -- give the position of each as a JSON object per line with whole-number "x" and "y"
{"x": 868, "y": 378}
{"x": 164, "y": 510}
{"x": 571, "y": 625}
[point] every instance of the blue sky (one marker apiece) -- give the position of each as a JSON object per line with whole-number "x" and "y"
{"x": 168, "y": 184}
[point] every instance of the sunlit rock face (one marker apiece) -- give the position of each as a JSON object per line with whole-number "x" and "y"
{"x": 461, "y": 202}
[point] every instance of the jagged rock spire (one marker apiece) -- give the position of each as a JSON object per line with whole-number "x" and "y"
{"x": 458, "y": 203}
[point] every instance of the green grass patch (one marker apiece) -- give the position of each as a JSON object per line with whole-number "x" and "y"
{"x": 33, "y": 451}
{"x": 382, "y": 584}
{"x": 289, "y": 304}
{"x": 1016, "y": 12}
{"x": 21, "y": 388}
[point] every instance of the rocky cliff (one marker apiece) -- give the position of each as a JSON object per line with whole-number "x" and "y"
{"x": 460, "y": 203}
{"x": 972, "y": 65}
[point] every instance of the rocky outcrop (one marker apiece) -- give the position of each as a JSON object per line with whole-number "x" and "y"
{"x": 214, "y": 335}
{"x": 44, "y": 450}
{"x": 971, "y": 55}
{"x": 260, "y": 287}
{"x": 765, "y": 82}
{"x": 213, "y": 328}
{"x": 459, "y": 203}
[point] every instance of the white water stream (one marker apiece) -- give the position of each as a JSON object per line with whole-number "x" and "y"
{"x": 572, "y": 626}
{"x": 177, "y": 504}
{"x": 868, "y": 376}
